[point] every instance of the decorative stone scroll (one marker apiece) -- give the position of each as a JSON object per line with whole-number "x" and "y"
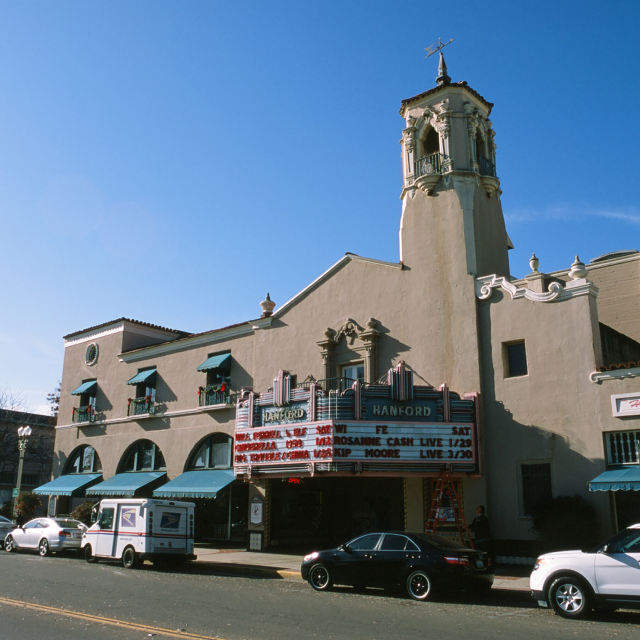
{"x": 486, "y": 284}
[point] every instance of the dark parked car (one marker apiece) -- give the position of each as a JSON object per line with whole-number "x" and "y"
{"x": 422, "y": 563}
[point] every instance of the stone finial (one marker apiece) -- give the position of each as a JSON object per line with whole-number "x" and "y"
{"x": 534, "y": 263}
{"x": 442, "y": 78}
{"x": 267, "y": 306}
{"x": 578, "y": 270}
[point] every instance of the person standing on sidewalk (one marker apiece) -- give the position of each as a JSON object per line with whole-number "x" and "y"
{"x": 481, "y": 530}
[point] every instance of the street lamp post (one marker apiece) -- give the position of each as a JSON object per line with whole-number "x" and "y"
{"x": 23, "y": 438}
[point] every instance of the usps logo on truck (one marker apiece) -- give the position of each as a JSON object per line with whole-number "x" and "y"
{"x": 128, "y": 517}
{"x": 170, "y": 520}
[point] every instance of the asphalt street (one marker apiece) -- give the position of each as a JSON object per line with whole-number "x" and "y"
{"x": 65, "y": 598}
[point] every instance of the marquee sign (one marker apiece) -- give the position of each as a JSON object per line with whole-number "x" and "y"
{"x": 392, "y": 428}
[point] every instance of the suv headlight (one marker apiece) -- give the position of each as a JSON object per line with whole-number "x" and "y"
{"x": 539, "y": 563}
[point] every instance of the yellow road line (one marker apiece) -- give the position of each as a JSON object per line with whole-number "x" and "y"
{"x": 112, "y": 621}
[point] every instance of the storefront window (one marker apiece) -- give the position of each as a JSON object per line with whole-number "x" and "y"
{"x": 213, "y": 453}
{"x": 84, "y": 460}
{"x": 144, "y": 456}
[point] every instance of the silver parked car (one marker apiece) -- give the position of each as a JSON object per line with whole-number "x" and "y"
{"x": 5, "y": 526}
{"x": 46, "y": 535}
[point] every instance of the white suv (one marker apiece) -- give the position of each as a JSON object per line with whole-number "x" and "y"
{"x": 574, "y": 582}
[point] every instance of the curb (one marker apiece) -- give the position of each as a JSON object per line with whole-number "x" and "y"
{"x": 247, "y": 570}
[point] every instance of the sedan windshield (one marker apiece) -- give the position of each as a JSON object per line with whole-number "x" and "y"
{"x": 3, "y": 519}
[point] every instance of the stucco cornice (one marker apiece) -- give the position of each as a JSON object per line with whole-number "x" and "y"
{"x": 557, "y": 293}
{"x": 212, "y": 337}
{"x": 147, "y": 416}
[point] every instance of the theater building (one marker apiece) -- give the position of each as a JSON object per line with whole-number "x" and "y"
{"x": 333, "y": 413}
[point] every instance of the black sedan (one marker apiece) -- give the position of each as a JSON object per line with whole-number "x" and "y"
{"x": 422, "y": 563}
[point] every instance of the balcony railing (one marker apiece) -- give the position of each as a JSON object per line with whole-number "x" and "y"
{"x": 83, "y": 414}
{"x": 487, "y": 168}
{"x": 140, "y": 406}
{"x": 623, "y": 447}
{"x": 214, "y": 394}
{"x": 329, "y": 384}
{"x": 429, "y": 165}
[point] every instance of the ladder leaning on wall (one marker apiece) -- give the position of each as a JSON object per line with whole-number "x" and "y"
{"x": 446, "y": 486}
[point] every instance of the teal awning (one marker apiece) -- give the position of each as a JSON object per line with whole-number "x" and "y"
{"x": 68, "y": 485}
{"x": 148, "y": 376}
{"x": 217, "y": 362}
{"x": 125, "y": 484}
{"x": 196, "y": 484}
{"x": 625, "y": 479}
{"x": 85, "y": 387}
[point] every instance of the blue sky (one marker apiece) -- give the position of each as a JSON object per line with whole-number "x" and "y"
{"x": 174, "y": 161}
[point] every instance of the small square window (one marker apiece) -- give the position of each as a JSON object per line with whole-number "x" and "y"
{"x": 515, "y": 359}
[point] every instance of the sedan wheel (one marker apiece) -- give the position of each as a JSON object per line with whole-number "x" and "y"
{"x": 569, "y": 597}
{"x": 9, "y": 544}
{"x": 43, "y": 548}
{"x": 320, "y": 577}
{"x": 419, "y": 586}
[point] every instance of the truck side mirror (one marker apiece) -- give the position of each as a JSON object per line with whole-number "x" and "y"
{"x": 94, "y": 514}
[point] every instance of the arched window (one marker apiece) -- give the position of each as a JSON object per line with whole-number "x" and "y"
{"x": 431, "y": 143}
{"x": 84, "y": 459}
{"x": 481, "y": 147}
{"x": 143, "y": 455}
{"x": 213, "y": 453}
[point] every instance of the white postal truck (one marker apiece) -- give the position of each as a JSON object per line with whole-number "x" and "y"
{"x": 138, "y": 529}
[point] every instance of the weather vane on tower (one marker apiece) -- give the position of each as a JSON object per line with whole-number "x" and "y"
{"x": 442, "y": 78}
{"x": 434, "y": 48}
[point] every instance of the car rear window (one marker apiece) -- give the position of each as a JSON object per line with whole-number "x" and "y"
{"x": 439, "y": 542}
{"x": 68, "y": 524}
{"x": 394, "y": 542}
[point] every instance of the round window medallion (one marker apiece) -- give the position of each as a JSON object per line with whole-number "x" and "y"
{"x": 91, "y": 354}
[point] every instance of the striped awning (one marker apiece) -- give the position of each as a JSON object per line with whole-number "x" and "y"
{"x": 85, "y": 387}
{"x": 126, "y": 484}
{"x": 204, "y": 483}
{"x": 622, "y": 479}
{"x": 68, "y": 485}
{"x": 148, "y": 376}
{"x": 217, "y": 362}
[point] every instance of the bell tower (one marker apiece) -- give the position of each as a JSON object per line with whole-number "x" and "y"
{"x": 451, "y": 212}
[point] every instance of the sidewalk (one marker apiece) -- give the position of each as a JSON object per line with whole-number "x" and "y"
{"x": 287, "y": 567}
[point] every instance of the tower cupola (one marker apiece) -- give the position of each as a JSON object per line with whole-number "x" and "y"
{"x": 448, "y": 148}
{"x": 457, "y": 118}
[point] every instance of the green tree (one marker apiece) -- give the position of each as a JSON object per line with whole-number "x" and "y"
{"x": 26, "y": 505}
{"x": 83, "y": 512}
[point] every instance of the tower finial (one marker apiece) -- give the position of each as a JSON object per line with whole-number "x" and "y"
{"x": 442, "y": 78}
